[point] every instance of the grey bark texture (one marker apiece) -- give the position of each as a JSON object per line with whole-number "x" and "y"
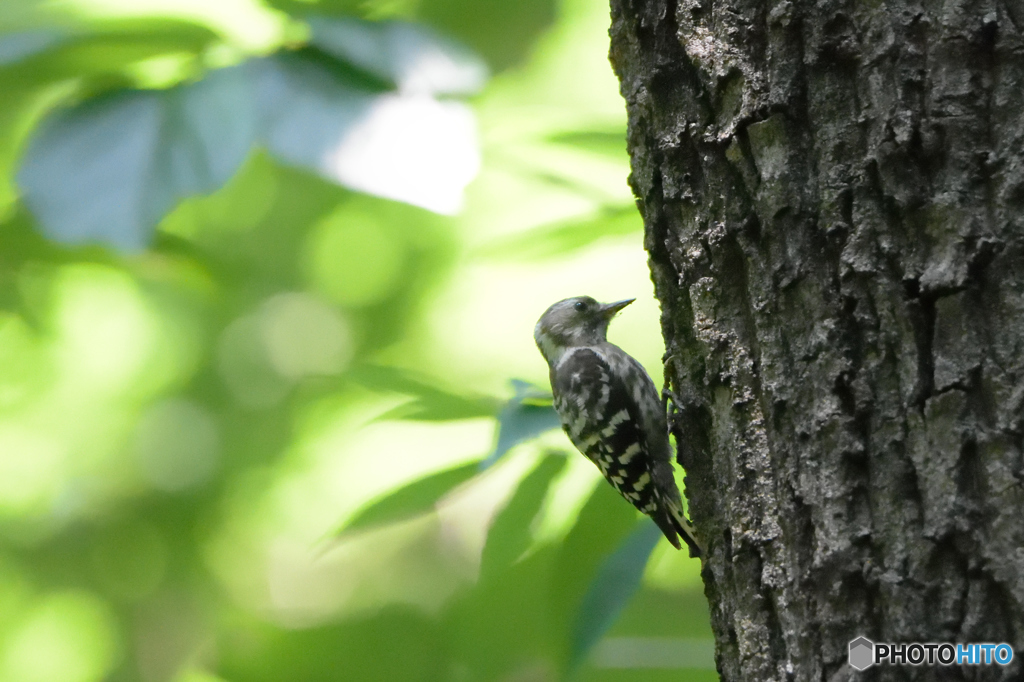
{"x": 833, "y": 195}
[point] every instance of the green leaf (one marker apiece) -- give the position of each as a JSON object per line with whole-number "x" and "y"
{"x": 308, "y": 107}
{"x": 606, "y": 142}
{"x": 108, "y": 169}
{"x": 411, "y": 57}
{"x": 527, "y": 415}
{"x": 503, "y": 32}
{"x": 100, "y": 57}
{"x": 601, "y": 526}
{"x": 617, "y": 580}
{"x": 565, "y": 237}
{"x": 402, "y": 146}
{"x": 430, "y": 401}
{"x": 418, "y": 497}
{"x": 390, "y": 643}
{"x": 510, "y": 534}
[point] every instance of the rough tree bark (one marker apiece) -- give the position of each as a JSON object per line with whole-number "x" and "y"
{"x": 833, "y": 195}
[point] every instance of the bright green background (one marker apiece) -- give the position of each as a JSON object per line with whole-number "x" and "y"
{"x": 221, "y": 448}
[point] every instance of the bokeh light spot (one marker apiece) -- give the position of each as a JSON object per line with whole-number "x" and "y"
{"x": 178, "y": 445}
{"x": 163, "y": 71}
{"x": 68, "y": 637}
{"x": 304, "y": 336}
{"x": 244, "y": 365}
{"x": 20, "y": 361}
{"x": 30, "y": 469}
{"x": 354, "y": 259}
{"x": 192, "y": 675}
{"x": 107, "y": 332}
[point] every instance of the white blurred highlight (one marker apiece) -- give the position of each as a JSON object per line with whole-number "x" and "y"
{"x": 427, "y": 66}
{"x": 410, "y": 148}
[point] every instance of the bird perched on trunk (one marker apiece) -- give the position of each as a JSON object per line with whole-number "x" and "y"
{"x": 611, "y": 410}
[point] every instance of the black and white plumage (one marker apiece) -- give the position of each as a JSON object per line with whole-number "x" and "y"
{"x": 611, "y": 410}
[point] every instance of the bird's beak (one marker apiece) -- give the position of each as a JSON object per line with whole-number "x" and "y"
{"x": 609, "y": 309}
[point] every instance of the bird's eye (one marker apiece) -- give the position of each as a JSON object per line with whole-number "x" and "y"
{"x": 580, "y": 306}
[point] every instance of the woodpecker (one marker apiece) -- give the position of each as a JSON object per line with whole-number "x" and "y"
{"x": 611, "y": 410}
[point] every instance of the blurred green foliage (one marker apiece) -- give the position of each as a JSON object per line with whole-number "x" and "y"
{"x": 266, "y": 271}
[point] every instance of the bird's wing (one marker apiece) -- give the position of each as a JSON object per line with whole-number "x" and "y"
{"x": 603, "y": 421}
{"x": 648, "y": 398}
{"x": 608, "y": 416}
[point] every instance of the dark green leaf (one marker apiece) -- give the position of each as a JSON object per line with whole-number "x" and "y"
{"x": 527, "y": 415}
{"x": 307, "y": 108}
{"x": 503, "y": 32}
{"x": 510, "y": 534}
{"x": 616, "y": 581}
{"x": 410, "y": 500}
{"x": 99, "y": 58}
{"x": 108, "y": 169}
{"x": 410, "y": 56}
{"x": 565, "y": 237}
{"x": 601, "y": 526}
{"x": 431, "y": 402}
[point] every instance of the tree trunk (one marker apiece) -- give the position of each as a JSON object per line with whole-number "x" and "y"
{"x": 833, "y": 195}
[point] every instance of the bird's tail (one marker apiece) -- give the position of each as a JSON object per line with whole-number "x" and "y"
{"x": 682, "y": 526}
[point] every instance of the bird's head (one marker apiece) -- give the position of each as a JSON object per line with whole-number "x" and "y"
{"x": 573, "y": 322}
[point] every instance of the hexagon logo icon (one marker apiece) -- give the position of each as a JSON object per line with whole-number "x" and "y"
{"x": 862, "y": 653}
